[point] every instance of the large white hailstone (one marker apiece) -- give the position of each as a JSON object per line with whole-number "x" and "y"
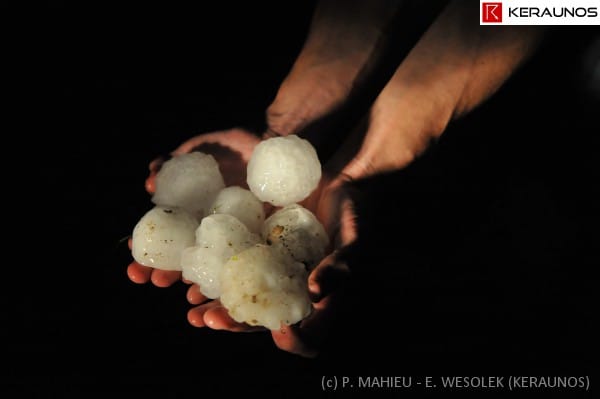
{"x": 283, "y": 170}
{"x": 190, "y": 181}
{"x": 295, "y": 231}
{"x": 262, "y": 288}
{"x": 218, "y": 238}
{"x": 242, "y": 204}
{"x": 161, "y": 235}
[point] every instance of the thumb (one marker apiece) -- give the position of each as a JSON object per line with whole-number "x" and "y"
{"x": 331, "y": 274}
{"x": 336, "y": 210}
{"x": 359, "y": 167}
{"x": 370, "y": 162}
{"x": 153, "y": 168}
{"x": 381, "y": 152}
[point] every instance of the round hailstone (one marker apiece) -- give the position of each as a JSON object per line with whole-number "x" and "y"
{"x": 296, "y": 232}
{"x": 283, "y": 170}
{"x": 218, "y": 238}
{"x": 160, "y": 236}
{"x": 262, "y": 288}
{"x": 242, "y": 204}
{"x": 189, "y": 181}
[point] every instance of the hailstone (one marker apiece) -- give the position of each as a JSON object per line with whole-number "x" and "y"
{"x": 218, "y": 237}
{"x": 283, "y": 170}
{"x": 296, "y": 232}
{"x": 262, "y": 288}
{"x": 190, "y": 181}
{"x": 161, "y": 235}
{"x": 242, "y": 204}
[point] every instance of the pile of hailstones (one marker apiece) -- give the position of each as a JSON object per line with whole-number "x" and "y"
{"x": 219, "y": 238}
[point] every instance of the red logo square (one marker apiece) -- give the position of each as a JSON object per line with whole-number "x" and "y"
{"x": 491, "y": 12}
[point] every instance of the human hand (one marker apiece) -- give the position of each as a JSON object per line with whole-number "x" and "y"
{"x": 323, "y": 282}
{"x": 232, "y": 149}
{"x": 443, "y": 77}
{"x": 453, "y": 68}
{"x": 340, "y": 52}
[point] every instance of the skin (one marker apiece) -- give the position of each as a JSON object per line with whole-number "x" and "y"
{"x": 455, "y": 66}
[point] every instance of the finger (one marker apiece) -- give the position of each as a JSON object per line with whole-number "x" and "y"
{"x": 329, "y": 209}
{"x": 130, "y": 243}
{"x": 139, "y": 274}
{"x": 290, "y": 339}
{"x": 348, "y": 231}
{"x": 165, "y": 278}
{"x": 156, "y": 163}
{"x": 195, "y": 315}
{"x": 327, "y": 277}
{"x": 194, "y": 296}
{"x": 218, "y": 318}
{"x": 150, "y": 183}
{"x": 307, "y": 337}
{"x": 213, "y": 315}
{"x": 153, "y": 167}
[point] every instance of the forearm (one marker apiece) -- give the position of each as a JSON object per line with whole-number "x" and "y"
{"x": 342, "y": 46}
{"x": 455, "y": 66}
{"x": 462, "y": 63}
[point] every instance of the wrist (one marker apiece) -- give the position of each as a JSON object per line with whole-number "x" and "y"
{"x": 419, "y": 110}
{"x": 304, "y": 97}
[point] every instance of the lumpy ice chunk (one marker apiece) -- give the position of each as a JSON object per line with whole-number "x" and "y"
{"x": 262, "y": 288}
{"x": 189, "y": 181}
{"x": 295, "y": 231}
{"x": 161, "y": 235}
{"x": 218, "y": 238}
{"x": 283, "y": 170}
{"x": 242, "y": 204}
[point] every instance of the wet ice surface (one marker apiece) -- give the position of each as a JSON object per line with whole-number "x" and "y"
{"x": 219, "y": 238}
{"x": 242, "y": 204}
{"x": 161, "y": 235}
{"x": 296, "y": 232}
{"x": 283, "y": 170}
{"x": 262, "y": 287}
{"x": 190, "y": 181}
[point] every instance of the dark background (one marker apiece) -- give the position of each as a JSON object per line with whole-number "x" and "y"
{"x": 478, "y": 259}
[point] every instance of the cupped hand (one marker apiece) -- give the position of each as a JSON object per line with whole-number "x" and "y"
{"x": 334, "y": 209}
{"x": 232, "y": 149}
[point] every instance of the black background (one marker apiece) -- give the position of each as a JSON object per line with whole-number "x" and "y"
{"x": 478, "y": 259}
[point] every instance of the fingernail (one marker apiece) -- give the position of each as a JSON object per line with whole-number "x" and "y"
{"x": 314, "y": 292}
{"x": 313, "y": 287}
